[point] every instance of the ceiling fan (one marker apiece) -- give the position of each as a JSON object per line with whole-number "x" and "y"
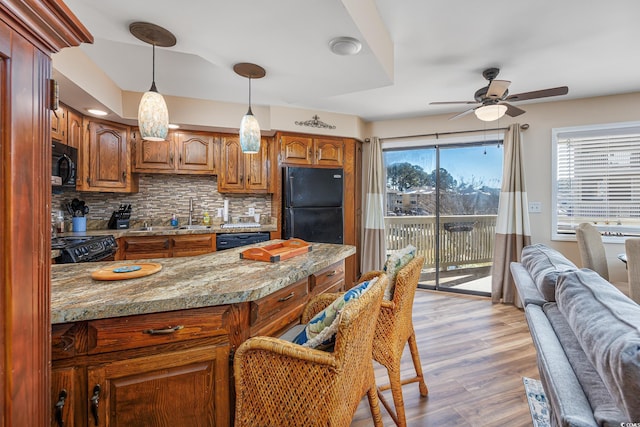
{"x": 494, "y": 99}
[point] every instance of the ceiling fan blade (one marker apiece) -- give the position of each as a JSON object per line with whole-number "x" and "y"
{"x": 453, "y": 102}
{"x": 464, "y": 113}
{"x": 497, "y": 88}
{"x": 544, "y": 93}
{"x": 512, "y": 110}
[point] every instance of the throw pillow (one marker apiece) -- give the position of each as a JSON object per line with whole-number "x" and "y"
{"x": 321, "y": 330}
{"x": 395, "y": 262}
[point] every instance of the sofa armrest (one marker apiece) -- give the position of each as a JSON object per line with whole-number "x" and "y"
{"x": 527, "y": 289}
{"x": 568, "y": 403}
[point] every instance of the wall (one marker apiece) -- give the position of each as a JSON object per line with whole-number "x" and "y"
{"x": 541, "y": 117}
{"x": 160, "y": 196}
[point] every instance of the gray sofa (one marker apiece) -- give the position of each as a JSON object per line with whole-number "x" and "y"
{"x": 587, "y": 338}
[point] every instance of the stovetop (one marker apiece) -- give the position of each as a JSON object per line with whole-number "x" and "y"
{"x": 84, "y": 248}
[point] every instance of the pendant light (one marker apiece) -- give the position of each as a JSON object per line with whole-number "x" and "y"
{"x": 153, "y": 115}
{"x": 249, "y": 126}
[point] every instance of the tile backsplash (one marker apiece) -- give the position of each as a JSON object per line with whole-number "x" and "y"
{"x": 161, "y": 196}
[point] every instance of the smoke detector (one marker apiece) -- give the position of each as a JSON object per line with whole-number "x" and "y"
{"x": 345, "y": 46}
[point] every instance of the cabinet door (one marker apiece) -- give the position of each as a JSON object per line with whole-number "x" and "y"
{"x": 107, "y": 159}
{"x": 59, "y": 124}
{"x": 231, "y": 174}
{"x": 153, "y": 156}
{"x": 181, "y": 388}
{"x": 196, "y": 152}
{"x": 190, "y": 245}
{"x": 296, "y": 150}
{"x": 145, "y": 247}
{"x": 63, "y": 399}
{"x": 74, "y": 129}
{"x": 328, "y": 152}
{"x": 257, "y": 169}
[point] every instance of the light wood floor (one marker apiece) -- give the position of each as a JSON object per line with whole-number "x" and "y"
{"x": 474, "y": 355}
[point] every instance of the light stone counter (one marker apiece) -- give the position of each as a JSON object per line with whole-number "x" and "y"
{"x": 183, "y": 283}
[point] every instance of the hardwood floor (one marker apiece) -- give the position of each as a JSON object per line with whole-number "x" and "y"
{"x": 474, "y": 355}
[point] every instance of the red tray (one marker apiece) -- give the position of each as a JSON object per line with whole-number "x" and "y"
{"x": 277, "y": 251}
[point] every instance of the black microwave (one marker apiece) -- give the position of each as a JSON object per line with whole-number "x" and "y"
{"x": 64, "y": 159}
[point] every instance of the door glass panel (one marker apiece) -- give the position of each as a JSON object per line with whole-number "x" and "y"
{"x": 444, "y": 201}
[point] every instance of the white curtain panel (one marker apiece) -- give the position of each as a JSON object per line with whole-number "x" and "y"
{"x": 513, "y": 231}
{"x": 373, "y": 254}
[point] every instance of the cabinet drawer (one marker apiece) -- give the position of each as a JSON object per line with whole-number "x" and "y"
{"x": 146, "y": 244}
{"x": 123, "y": 333}
{"x": 327, "y": 279}
{"x": 67, "y": 340}
{"x": 271, "y": 307}
{"x": 195, "y": 241}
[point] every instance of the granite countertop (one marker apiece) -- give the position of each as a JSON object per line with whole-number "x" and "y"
{"x": 183, "y": 283}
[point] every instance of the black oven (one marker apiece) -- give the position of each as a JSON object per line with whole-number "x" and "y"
{"x": 84, "y": 248}
{"x": 64, "y": 159}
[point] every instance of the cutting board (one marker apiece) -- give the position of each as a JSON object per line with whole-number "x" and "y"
{"x": 126, "y": 271}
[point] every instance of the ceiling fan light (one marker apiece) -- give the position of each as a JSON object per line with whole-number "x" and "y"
{"x": 489, "y": 113}
{"x": 153, "y": 117}
{"x": 249, "y": 133}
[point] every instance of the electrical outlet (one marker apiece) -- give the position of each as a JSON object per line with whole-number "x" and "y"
{"x": 251, "y": 211}
{"x": 535, "y": 207}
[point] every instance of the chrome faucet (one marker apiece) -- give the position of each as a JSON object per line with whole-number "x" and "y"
{"x": 191, "y": 211}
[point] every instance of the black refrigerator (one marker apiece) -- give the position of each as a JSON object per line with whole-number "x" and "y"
{"x": 312, "y": 199}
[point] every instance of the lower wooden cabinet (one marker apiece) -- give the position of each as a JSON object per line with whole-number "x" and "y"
{"x": 146, "y": 247}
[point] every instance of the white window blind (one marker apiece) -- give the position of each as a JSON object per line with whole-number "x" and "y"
{"x": 597, "y": 178}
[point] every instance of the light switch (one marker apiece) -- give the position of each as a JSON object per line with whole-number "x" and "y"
{"x": 535, "y": 207}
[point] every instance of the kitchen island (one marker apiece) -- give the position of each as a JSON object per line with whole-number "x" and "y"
{"x": 156, "y": 350}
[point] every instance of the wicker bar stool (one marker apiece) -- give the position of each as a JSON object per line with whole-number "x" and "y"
{"x": 279, "y": 383}
{"x": 393, "y": 331}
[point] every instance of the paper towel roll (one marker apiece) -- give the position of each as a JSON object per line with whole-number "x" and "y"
{"x": 225, "y": 211}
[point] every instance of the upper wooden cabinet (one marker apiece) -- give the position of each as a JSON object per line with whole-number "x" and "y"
{"x": 240, "y": 172}
{"x": 181, "y": 153}
{"x": 104, "y": 159}
{"x": 306, "y": 151}
{"x": 66, "y": 126}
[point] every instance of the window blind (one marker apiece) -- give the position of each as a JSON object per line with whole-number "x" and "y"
{"x": 598, "y": 179}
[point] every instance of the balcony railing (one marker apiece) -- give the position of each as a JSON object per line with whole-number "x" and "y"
{"x": 465, "y": 240}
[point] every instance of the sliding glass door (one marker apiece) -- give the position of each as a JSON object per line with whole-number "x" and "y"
{"x": 444, "y": 200}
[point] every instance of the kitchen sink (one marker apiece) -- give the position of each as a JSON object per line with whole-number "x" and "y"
{"x": 153, "y": 228}
{"x": 195, "y": 227}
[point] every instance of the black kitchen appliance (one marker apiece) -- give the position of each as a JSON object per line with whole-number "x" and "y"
{"x": 313, "y": 200}
{"x": 234, "y": 240}
{"x": 83, "y": 248}
{"x": 64, "y": 159}
{"x": 120, "y": 219}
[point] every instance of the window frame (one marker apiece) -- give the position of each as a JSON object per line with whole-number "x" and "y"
{"x": 555, "y": 137}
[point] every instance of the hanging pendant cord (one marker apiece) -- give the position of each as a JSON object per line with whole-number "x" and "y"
{"x": 153, "y": 71}
{"x": 250, "y": 112}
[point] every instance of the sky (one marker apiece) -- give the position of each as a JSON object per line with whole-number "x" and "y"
{"x": 472, "y": 164}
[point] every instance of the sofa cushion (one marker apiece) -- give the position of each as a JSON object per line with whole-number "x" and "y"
{"x": 607, "y": 326}
{"x": 605, "y": 411}
{"x": 321, "y": 330}
{"x": 544, "y": 265}
{"x": 395, "y": 262}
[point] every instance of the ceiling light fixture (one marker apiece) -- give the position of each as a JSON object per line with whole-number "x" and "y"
{"x": 153, "y": 115}
{"x": 489, "y": 113}
{"x": 97, "y": 112}
{"x": 249, "y": 126}
{"x": 345, "y": 46}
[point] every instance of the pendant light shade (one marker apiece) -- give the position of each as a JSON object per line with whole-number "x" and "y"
{"x": 489, "y": 113}
{"x": 153, "y": 115}
{"x": 249, "y": 126}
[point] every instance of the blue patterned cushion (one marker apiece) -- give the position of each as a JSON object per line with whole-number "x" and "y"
{"x": 321, "y": 330}
{"x": 394, "y": 264}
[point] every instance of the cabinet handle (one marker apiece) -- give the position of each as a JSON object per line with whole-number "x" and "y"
{"x": 310, "y": 153}
{"x": 60, "y": 406}
{"x": 180, "y": 158}
{"x": 95, "y": 400}
{"x": 288, "y": 297}
{"x": 88, "y": 180}
{"x": 171, "y": 158}
{"x": 168, "y": 330}
{"x": 333, "y": 273}
{"x": 124, "y": 175}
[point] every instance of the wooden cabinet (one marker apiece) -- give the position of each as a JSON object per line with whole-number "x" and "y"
{"x": 308, "y": 151}
{"x": 240, "y": 172}
{"x": 66, "y": 126}
{"x": 145, "y": 247}
{"x": 331, "y": 279}
{"x": 104, "y": 159}
{"x": 181, "y": 153}
{"x": 167, "y": 368}
{"x": 275, "y": 313}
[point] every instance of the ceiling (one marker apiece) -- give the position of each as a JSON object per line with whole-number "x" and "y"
{"x": 414, "y": 51}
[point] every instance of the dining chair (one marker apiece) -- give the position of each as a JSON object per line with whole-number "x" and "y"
{"x": 279, "y": 383}
{"x": 591, "y": 249}
{"x": 632, "y": 249}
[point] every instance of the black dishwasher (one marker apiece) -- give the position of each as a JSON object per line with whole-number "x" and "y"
{"x": 234, "y": 240}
